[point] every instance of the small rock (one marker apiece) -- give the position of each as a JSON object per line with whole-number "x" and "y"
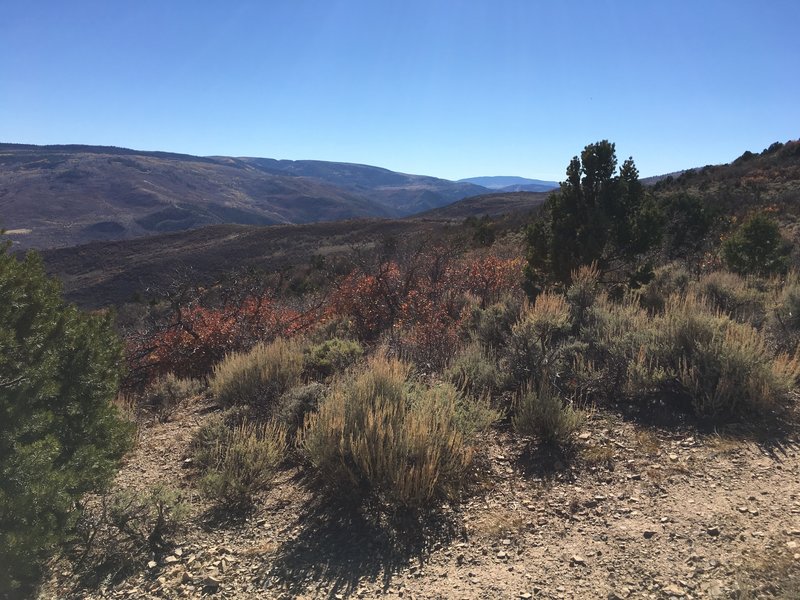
{"x": 170, "y": 560}
{"x": 585, "y": 435}
{"x": 212, "y": 581}
{"x": 713, "y": 531}
{"x": 648, "y": 533}
{"x": 674, "y": 591}
{"x": 578, "y": 560}
{"x": 792, "y": 545}
{"x": 525, "y": 596}
{"x": 502, "y": 555}
{"x": 152, "y": 564}
{"x": 673, "y": 457}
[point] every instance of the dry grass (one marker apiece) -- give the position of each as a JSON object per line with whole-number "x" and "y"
{"x": 500, "y": 523}
{"x": 647, "y": 442}
{"x": 598, "y": 455}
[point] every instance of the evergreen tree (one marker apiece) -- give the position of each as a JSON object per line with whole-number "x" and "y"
{"x": 597, "y": 216}
{"x": 60, "y": 436}
{"x": 756, "y": 247}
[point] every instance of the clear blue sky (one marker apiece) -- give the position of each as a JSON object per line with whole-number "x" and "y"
{"x": 447, "y": 88}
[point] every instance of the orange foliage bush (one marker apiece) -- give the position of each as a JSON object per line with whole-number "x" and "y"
{"x": 196, "y": 337}
{"x": 421, "y": 302}
{"x": 418, "y": 301}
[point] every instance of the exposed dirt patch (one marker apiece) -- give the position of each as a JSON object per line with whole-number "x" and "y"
{"x": 631, "y": 512}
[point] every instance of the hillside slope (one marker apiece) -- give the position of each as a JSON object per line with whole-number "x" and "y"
{"x": 55, "y": 196}
{"x": 102, "y": 273}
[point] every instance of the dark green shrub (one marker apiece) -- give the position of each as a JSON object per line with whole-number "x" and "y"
{"x": 295, "y": 404}
{"x": 331, "y": 357}
{"x": 148, "y": 521}
{"x": 475, "y": 370}
{"x": 491, "y": 326}
{"x": 60, "y": 436}
{"x": 756, "y": 247}
{"x": 120, "y": 533}
{"x": 667, "y": 281}
{"x": 536, "y": 339}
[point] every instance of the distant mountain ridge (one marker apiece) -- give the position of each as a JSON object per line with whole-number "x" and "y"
{"x": 65, "y": 195}
{"x": 510, "y": 183}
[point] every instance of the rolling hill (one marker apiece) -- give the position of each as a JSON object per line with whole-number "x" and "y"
{"x": 505, "y": 183}
{"x": 57, "y": 196}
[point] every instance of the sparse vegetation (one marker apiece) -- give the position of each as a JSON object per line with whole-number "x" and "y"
{"x": 378, "y": 382}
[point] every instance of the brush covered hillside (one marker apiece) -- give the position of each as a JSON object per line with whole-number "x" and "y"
{"x": 598, "y": 400}
{"x": 754, "y": 180}
{"x": 55, "y": 196}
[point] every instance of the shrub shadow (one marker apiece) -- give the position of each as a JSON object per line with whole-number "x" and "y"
{"x": 774, "y": 432}
{"x": 547, "y": 462}
{"x": 339, "y": 547}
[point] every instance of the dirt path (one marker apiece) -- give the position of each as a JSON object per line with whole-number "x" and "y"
{"x": 632, "y": 513}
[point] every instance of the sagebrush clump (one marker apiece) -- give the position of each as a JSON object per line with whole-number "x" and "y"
{"x": 379, "y": 434}
{"x": 166, "y": 394}
{"x": 540, "y": 412}
{"x": 239, "y": 461}
{"x": 331, "y": 356}
{"x": 258, "y": 377}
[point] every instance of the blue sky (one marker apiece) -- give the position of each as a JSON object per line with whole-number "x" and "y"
{"x": 447, "y": 88}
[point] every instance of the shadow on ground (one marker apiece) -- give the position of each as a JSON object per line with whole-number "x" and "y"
{"x": 338, "y": 548}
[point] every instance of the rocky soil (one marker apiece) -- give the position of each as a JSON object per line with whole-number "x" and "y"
{"x": 636, "y": 510}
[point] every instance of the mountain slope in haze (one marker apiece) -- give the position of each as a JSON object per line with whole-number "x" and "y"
{"x": 56, "y": 196}
{"x": 507, "y": 183}
{"x": 399, "y": 192}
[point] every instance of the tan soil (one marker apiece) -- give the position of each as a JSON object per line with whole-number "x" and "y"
{"x": 635, "y": 512}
